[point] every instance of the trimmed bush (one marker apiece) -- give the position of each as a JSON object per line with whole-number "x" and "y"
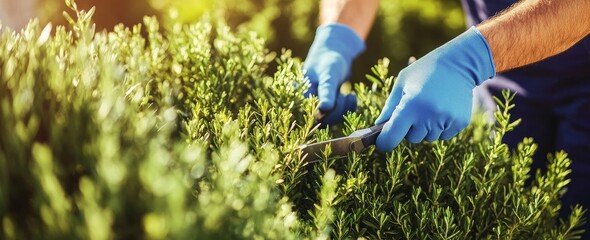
{"x": 181, "y": 133}
{"x": 403, "y": 28}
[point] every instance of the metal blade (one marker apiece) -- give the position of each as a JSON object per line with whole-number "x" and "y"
{"x": 355, "y": 142}
{"x": 339, "y": 147}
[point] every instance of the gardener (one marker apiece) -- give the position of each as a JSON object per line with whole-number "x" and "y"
{"x": 537, "y": 48}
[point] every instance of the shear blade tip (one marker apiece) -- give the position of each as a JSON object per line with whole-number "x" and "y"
{"x": 302, "y": 146}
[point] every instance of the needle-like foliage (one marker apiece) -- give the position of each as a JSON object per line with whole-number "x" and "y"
{"x": 181, "y": 133}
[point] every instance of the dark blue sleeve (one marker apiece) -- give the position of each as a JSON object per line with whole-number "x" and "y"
{"x": 573, "y": 63}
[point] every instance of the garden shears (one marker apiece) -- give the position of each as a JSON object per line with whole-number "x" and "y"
{"x": 340, "y": 147}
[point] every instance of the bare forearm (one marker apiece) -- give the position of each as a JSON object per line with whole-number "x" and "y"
{"x": 534, "y": 30}
{"x": 16, "y": 14}
{"x": 357, "y": 14}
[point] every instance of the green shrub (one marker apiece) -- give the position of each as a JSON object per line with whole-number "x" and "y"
{"x": 183, "y": 134}
{"x": 403, "y": 28}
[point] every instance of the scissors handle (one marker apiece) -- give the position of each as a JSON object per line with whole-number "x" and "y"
{"x": 370, "y": 138}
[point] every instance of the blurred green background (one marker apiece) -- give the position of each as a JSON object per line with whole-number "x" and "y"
{"x": 402, "y": 29}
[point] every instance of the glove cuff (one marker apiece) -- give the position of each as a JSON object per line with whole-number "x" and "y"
{"x": 340, "y": 38}
{"x": 490, "y": 66}
{"x": 472, "y": 52}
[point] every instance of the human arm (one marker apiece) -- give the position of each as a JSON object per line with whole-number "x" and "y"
{"x": 356, "y": 14}
{"x": 534, "y": 30}
{"x": 16, "y": 14}
{"x": 432, "y": 98}
{"x": 344, "y": 24}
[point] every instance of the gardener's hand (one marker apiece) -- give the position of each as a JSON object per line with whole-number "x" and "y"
{"x": 328, "y": 65}
{"x": 431, "y": 99}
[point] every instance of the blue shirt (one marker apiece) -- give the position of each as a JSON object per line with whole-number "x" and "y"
{"x": 568, "y": 72}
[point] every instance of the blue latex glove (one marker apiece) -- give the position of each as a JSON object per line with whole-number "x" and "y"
{"x": 431, "y": 99}
{"x": 328, "y": 65}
